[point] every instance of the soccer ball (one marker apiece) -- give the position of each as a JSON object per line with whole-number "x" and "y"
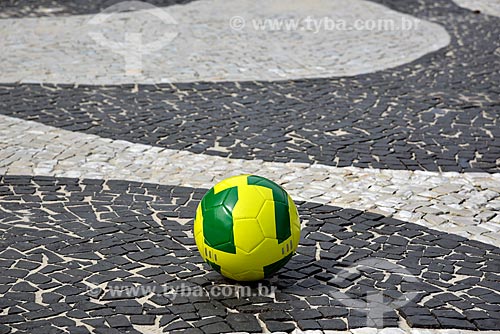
{"x": 246, "y": 227}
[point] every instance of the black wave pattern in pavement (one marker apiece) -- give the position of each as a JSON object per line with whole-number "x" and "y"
{"x": 61, "y": 235}
{"x": 439, "y": 112}
{"x": 53, "y": 8}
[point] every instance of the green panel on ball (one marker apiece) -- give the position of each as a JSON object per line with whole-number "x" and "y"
{"x": 281, "y": 213}
{"x": 274, "y": 267}
{"x": 215, "y": 266}
{"x": 218, "y": 219}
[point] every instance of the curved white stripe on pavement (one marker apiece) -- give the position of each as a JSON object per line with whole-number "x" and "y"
{"x": 317, "y": 38}
{"x": 465, "y": 204}
{"x": 489, "y": 7}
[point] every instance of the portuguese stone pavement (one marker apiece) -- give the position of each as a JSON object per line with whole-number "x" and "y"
{"x": 114, "y": 121}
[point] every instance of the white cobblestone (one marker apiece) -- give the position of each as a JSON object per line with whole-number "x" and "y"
{"x": 66, "y": 53}
{"x": 489, "y": 7}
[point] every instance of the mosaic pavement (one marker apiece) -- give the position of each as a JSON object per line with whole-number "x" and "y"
{"x": 388, "y": 142}
{"x": 205, "y": 49}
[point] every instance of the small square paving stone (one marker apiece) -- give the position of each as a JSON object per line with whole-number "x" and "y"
{"x": 243, "y": 322}
{"x": 118, "y": 321}
{"x": 15, "y": 310}
{"x": 355, "y": 321}
{"x": 63, "y": 322}
{"x": 185, "y": 308}
{"x": 11, "y": 318}
{"x": 78, "y": 330}
{"x": 275, "y": 315}
{"x": 318, "y": 301}
{"x": 189, "y": 316}
{"x": 100, "y": 322}
{"x": 142, "y": 319}
{"x": 179, "y": 324}
{"x": 333, "y": 312}
{"x": 447, "y": 313}
{"x": 24, "y": 287}
{"x": 129, "y": 310}
{"x": 455, "y": 323}
{"x": 77, "y": 314}
{"x": 279, "y": 326}
{"x": 308, "y": 325}
{"x": 166, "y": 319}
{"x": 476, "y": 314}
{"x": 487, "y": 324}
{"x": 216, "y": 328}
{"x": 305, "y": 314}
{"x": 332, "y": 324}
{"x": 4, "y": 329}
{"x": 207, "y": 321}
{"x": 212, "y": 311}
{"x": 424, "y": 321}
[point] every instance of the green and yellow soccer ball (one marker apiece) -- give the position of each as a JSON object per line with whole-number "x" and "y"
{"x": 246, "y": 227}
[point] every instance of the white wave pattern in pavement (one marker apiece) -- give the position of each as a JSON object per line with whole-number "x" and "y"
{"x": 300, "y": 39}
{"x": 464, "y": 204}
{"x": 489, "y": 7}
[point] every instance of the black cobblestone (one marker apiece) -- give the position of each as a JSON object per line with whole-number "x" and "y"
{"x": 437, "y": 113}
{"x": 469, "y": 303}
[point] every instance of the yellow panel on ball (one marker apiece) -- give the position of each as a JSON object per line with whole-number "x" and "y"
{"x": 247, "y": 234}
